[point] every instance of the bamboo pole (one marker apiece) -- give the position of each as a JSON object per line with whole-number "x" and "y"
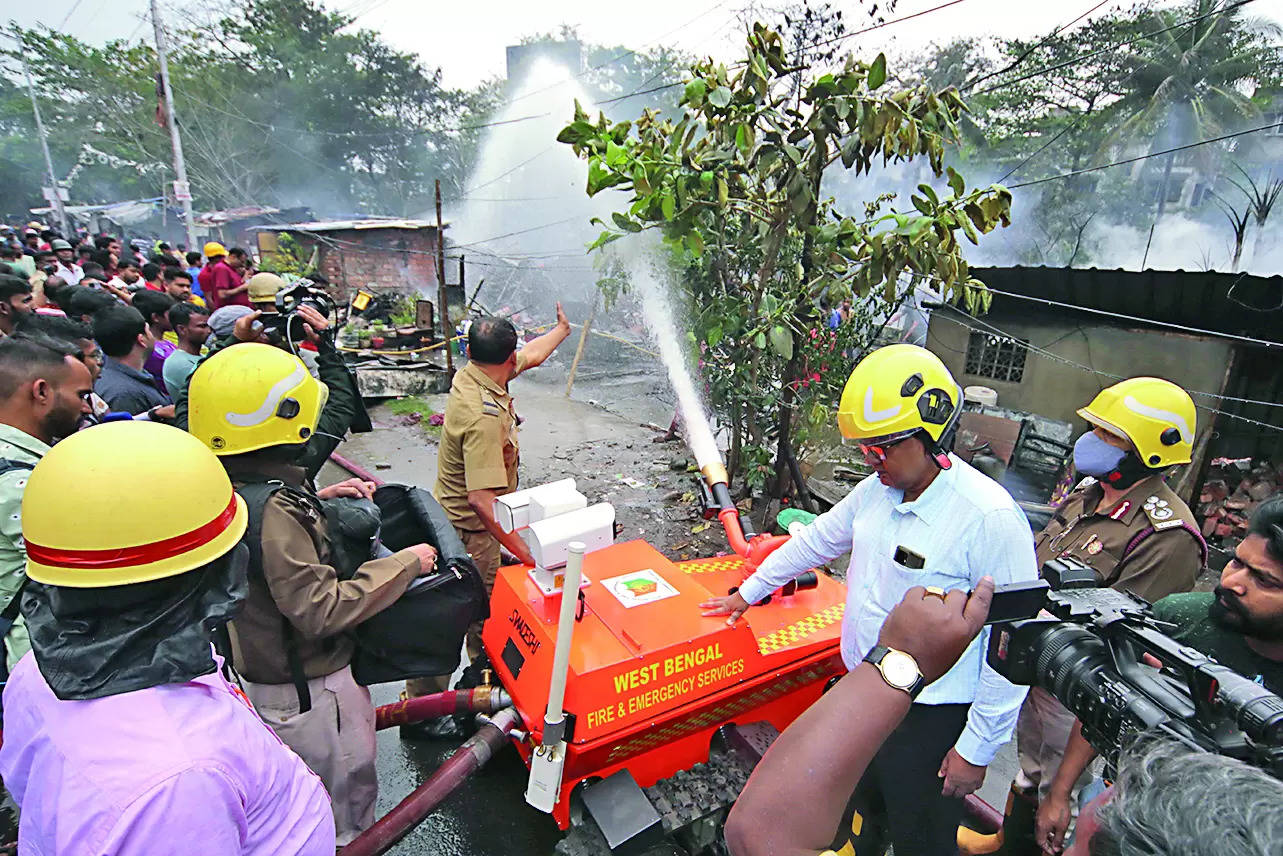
{"x": 583, "y": 340}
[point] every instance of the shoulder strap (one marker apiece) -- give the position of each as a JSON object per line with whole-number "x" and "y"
{"x": 256, "y": 495}
{"x": 1149, "y": 531}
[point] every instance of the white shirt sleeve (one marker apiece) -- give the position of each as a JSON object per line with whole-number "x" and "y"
{"x": 826, "y": 538}
{"x": 1002, "y": 548}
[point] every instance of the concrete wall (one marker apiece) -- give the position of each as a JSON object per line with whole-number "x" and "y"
{"x": 1057, "y": 390}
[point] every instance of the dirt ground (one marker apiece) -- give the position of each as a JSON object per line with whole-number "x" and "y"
{"x": 600, "y": 437}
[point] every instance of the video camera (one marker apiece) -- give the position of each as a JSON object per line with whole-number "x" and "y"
{"x": 1088, "y": 655}
{"x": 285, "y": 326}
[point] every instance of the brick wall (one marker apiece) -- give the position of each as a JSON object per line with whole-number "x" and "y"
{"x": 384, "y": 259}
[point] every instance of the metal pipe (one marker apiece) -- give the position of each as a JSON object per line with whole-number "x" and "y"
{"x": 449, "y": 703}
{"x": 410, "y": 812}
{"x": 554, "y": 719}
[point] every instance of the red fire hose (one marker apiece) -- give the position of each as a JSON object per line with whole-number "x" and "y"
{"x": 419, "y": 708}
{"x": 355, "y": 468}
{"x": 411, "y": 811}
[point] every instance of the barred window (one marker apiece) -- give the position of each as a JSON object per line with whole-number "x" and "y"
{"x": 996, "y": 357}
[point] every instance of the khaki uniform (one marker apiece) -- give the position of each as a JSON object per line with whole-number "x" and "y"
{"x": 479, "y": 451}
{"x": 1148, "y": 544}
{"x": 336, "y": 736}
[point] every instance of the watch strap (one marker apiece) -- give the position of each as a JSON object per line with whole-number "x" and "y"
{"x": 875, "y": 657}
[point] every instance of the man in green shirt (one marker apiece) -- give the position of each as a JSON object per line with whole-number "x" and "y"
{"x": 1239, "y": 624}
{"x": 44, "y": 389}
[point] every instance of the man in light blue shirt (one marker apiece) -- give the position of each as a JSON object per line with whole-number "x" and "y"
{"x": 924, "y": 518}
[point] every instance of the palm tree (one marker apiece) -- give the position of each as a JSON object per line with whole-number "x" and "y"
{"x": 1194, "y": 81}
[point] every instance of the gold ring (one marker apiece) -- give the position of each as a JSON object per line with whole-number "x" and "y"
{"x": 933, "y": 591}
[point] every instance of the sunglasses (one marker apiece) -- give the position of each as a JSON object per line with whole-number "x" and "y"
{"x": 879, "y": 452}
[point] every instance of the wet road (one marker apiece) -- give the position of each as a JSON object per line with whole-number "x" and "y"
{"x": 488, "y": 815}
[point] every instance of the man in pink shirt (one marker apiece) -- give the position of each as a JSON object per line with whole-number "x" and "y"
{"x": 122, "y": 737}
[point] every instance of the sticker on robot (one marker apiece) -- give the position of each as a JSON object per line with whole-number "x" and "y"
{"x": 639, "y": 587}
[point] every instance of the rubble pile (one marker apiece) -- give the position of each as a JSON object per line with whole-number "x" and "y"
{"x": 1232, "y": 491}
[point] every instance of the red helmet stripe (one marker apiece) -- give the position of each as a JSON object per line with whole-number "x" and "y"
{"x": 143, "y": 554}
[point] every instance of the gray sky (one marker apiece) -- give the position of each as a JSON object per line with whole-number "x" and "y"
{"x": 467, "y": 40}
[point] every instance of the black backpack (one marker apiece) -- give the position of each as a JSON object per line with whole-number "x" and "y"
{"x": 419, "y": 635}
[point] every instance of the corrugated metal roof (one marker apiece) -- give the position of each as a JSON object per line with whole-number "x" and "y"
{"x": 1225, "y": 303}
{"x": 341, "y": 225}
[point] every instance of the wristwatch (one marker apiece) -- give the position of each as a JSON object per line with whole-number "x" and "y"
{"x": 898, "y": 669}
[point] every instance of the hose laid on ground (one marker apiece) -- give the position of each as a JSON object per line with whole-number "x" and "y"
{"x": 449, "y": 703}
{"x": 354, "y": 468}
{"x": 411, "y": 811}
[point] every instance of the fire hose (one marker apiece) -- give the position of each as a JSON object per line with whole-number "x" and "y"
{"x": 449, "y": 703}
{"x": 421, "y": 802}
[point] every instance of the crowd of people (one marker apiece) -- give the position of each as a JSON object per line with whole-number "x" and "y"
{"x": 203, "y": 639}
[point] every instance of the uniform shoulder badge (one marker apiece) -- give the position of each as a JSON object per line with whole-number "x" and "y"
{"x": 1158, "y": 511}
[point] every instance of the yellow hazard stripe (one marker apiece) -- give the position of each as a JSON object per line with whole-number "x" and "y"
{"x": 708, "y": 566}
{"x": 799, "y": 630}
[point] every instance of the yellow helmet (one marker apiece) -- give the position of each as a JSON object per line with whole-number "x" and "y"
{"x": 187, "y": 518}
{"x": 251, "y": 396}
{"x": 213, "y": 250}
{"x": 897, "y": 390}
{"x": 1155, "y": 414}
{"x": 263, "y": 287}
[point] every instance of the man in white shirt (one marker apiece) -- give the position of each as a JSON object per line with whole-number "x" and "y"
{"x": 66, "y": 266}
{"x": 924, "y": 518}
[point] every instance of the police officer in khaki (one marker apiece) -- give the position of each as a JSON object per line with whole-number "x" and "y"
{"x": 478, "y": 456}
{"x": 1132, "y": 529}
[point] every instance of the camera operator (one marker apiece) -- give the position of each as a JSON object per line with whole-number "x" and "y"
{"x": 343, "y": 409}
{"x": 1132, "y": 530}
{"x": 1240, "y": 625}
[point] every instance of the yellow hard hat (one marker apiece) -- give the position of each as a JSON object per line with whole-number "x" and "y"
{"x": 263, "y": 287}
{"x": 251, "y": 396}
{"x": 895, "y": 391}
{"x": 214, "y": 248}
{"x": 1155, "y": 414}
{"x": 187, "y": 517}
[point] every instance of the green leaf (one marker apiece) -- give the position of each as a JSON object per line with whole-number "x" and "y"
{"x": 640, "y": 182}
{"x": 720, "y": 97}
{"x": 782, "y": 341}
{"x": 625, "y": 223}
{"x": 603, "y": 239}
{"x": 668, "y": 205}
{"x": 878, "y": 71}
{"x": 714, "y": 336}
{"x": 575, "y": 133}
{"x": 695, "y": 91}
{"x": 615, "y": 154}
{"x": 696, "y": 242}
{"x": 706, "y": 179}
{"x": 744, "y": 138}
{"x": 759, "y": 341}
{"x": 955, "y": 181}
{"x": 723, "y": 192}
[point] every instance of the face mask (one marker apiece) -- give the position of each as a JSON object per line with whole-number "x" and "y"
{"x": 1094, "y": 457}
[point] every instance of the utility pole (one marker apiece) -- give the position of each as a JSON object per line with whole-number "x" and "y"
{"x": 447, "y": 328}
{"x": 56, "y": 202}
{"x": 182, "y": 189}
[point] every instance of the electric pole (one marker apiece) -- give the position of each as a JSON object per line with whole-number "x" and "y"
{"x": 447, "y": 326}
{"x": 182, "y": 189}
{"x": 56, "y": 201}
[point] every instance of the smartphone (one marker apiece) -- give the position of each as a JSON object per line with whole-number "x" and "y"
{"x": 1016, "y": 601}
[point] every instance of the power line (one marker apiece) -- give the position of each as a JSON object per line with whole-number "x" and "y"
{"x": 990, "y": 329}
{"x": 882, "y": 24}
{"x": 1194, "y": 145}
{"x": 1136, "y": 318}
{"x": 1111, "y": 48}
{"x": 1020, "y": 59}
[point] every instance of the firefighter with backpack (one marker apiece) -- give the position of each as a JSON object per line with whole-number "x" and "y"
{"x": 1137, "y": 534}
{"x": 255, "y": 407}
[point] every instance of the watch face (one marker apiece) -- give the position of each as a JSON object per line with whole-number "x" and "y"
{"x": 899, "y": 669}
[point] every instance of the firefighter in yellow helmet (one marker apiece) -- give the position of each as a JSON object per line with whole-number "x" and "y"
{"x": 1139, "y": 536}
{"x": 122, "y": 677}
{"x": 256, "y": 407}
{"x": 924, "y": 518}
